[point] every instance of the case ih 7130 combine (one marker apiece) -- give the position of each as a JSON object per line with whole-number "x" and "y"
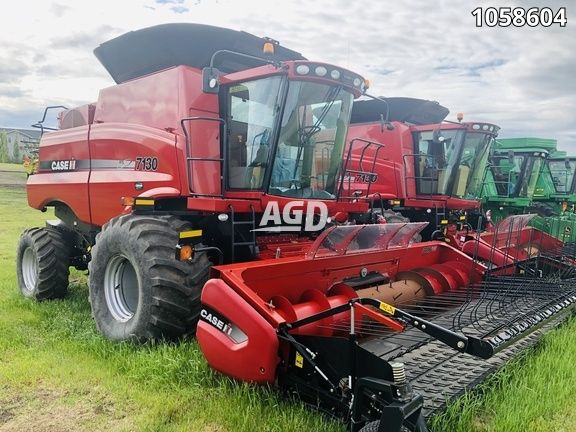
{"x": 193, "y": 159}
{"x": 430, "y": 170}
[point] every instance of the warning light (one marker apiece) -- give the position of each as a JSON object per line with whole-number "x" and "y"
{"x": 460, "y": 116}
{"x": 186, "y": 253}
{"x": 268, "y": 48}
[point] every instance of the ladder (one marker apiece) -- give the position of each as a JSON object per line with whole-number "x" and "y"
{"x": 250, "y": 222}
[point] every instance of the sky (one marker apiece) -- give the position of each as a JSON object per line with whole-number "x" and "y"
{"x": 521, "y": 78}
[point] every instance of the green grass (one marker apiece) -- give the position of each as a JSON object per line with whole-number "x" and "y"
{"x": 58, "y": 373}
{"x": 53, "y": 363}
{"x": 12, "y": 175}
{"x": 11, "y": 167}
{"x": 533, "y": 393}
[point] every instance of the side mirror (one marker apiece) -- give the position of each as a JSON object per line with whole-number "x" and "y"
{"x": 385, "y": 124}
{"x": 210, "y": 80}
{"x": 567, "y": 163}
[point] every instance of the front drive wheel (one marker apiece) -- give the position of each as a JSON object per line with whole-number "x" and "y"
{"x": 138, "y": 290}
{"x": 42, "y": 262}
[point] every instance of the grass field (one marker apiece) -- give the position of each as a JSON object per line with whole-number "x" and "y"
{"x": 58, "y": 374}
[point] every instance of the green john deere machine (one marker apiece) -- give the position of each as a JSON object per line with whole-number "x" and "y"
{"x": 557, "y": 201}
{"x": 529, "y": 175}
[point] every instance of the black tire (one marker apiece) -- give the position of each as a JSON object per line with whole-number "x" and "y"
{"x": 394, "y": 217}
{"x": 138, "y": 290}
{"x": 42, "y": 262}
{"x": 419, "y": 426}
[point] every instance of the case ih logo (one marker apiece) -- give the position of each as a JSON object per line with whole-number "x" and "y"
{"x": 63, "y": 165}
{"x": 290, "y": 218}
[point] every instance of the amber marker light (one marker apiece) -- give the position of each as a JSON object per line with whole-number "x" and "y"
{"x": 186, "y": 252}
{"x": 268, "y": 48}
{"x": 127, "y": 201}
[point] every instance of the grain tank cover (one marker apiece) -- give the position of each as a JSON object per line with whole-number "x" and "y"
{"x": 152, "y": 49}
{"x": 402, "y": 109}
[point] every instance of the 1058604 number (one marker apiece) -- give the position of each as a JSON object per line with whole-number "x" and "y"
{"x": 146, "y": 163}
{"x": 519, "y": 17}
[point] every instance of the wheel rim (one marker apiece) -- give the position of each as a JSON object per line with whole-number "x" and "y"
{"x": 121, "y": 288}
{"x": 29, "y": 270}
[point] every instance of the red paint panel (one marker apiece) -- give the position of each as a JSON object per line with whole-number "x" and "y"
{"x": 71, "y": 187}
{"x": 393, "y": 177}
{"x": 253, "y": 360}
{"x": 127, "y": 142}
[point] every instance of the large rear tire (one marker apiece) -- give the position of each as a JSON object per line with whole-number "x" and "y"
{"x": 138, "y": 290}
{"x": 42, "y": 262}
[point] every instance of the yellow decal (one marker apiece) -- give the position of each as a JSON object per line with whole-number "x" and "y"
{"x": 387, "y": 308}
{"x": 299, "y": 361}
{"x": 141, "y": 201}
{"x": 395, "y": 202}
{"x": 444, "y": 222}
{"x": 191, "y": 233}
{"x": 462, "y": 218}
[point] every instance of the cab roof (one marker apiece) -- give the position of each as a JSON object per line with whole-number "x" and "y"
{"x": 402, "y": 109}
{"x": 142, "y": 52}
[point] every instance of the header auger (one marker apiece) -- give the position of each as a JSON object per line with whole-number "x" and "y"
{"x": 210, "y": 191}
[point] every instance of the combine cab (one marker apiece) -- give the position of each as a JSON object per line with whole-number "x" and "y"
{"x": 512, "y": 177}
{"x": 427, "y": 170}
{"x": 528, "y": 175}
{"x": 556, "y": 205}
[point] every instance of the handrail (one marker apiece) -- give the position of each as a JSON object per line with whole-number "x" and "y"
{"x": 223, "y": 160}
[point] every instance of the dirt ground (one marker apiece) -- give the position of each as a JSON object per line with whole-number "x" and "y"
{"x": 49, "y": 410}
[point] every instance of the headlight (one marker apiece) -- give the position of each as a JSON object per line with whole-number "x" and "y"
{"x": 302, "y": 69}
{"x": 320, "y": 71}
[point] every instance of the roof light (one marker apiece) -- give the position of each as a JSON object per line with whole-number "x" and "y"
{"x": 302, "y": 69}
{"x": 460, "y": 116}
{"x": 268, "y": 48}
{"x": 321, "y": 71}
{"x": 335, "y": 74}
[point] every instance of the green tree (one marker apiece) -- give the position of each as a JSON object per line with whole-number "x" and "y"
{"x": 3, "y": 147}
{"x": 16, "y": 156}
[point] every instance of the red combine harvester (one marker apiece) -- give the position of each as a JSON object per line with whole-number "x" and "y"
{"x": 429, "y": 170}
{"x": 426, "y": 170}
{"x": 207, "y": 144}
{"x": 214, "y": 152}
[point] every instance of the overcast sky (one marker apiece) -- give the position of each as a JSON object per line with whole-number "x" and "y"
{"x": 519, "y": 78}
